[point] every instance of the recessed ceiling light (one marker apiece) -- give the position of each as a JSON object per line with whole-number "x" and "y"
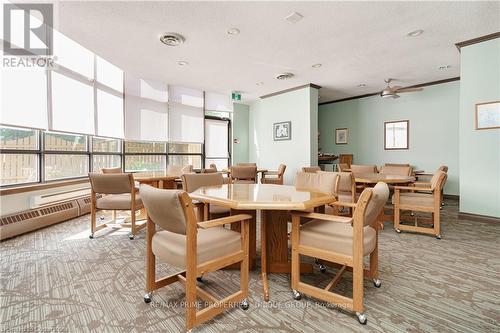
{"x": 233, "y": 31}
{"x": 316, "y": 66}
{"x": 182, "y": 63}
{"x": 444, "y": 67}
{"x": 284, "y": 76}
{"x": 361, "y": 85}
{"x": 259, "y": 83}
{"x": 294, "y": 17}
{"x": 415, "y": 33}
{"x": 172, "y": 39}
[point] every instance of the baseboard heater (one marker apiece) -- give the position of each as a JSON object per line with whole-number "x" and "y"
{"x": 46, "y": 210}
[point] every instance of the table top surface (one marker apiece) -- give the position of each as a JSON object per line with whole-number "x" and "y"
{"x": 154, "y": 176}
{"x": 379, "y": 177}
{"x": 261, "y": 196}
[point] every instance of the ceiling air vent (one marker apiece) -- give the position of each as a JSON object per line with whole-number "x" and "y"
{"x": 172, "y": 39}
{"x": 284, "y": 76}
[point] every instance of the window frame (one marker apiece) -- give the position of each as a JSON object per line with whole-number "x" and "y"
{"x": 201, "y": 153}
{"x": 125, "y": 154}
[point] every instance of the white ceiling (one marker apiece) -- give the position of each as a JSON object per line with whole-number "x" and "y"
{"x": 356, "y": 42}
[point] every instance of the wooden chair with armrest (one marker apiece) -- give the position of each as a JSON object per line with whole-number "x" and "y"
{"x": 243, "y": 174}
{"x": 118, "y": 194}
{"x": 343, "y": 167}
{"x": 111, "y": 170}
{"x": 346, "y": 159}
{"x": 399, "y": 170}
{"x": 195, "y": 248}
{"x": 343, "y": 242}
{"x": 428, "y": 199}
{"x": 193, "y": 181}
{"x": 425, "y": 182}
{"x": 276, "y": 176}
{"x": 345, "y": 192}
{"x": 357, "y": 168}
{"x": 311, "y": 169}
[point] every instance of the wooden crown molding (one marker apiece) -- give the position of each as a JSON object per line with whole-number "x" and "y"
{"x": 309, "y": 85}
{"x": 477, "y": 40}
{"x": 421, "y": 85}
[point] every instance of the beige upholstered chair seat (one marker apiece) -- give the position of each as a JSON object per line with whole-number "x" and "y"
{"x": 335, "y": 237}
{"x": 213, "y": 243}
{"x": 214, "y": 209}
{"x": 415, "y": 199}
{"x": 118, "y": 201}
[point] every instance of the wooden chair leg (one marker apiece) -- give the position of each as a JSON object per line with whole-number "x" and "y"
{"x": 396, "y": 217}
{"x": 357, "y": 283}
{"x": 295, "y": 253}
{"x": 150, "y": 258}
{"x": 244, "y": 265}
{"x": 133, "y": 230}
{"x": 93, "y": 222}
{"x": 437, "y": 222}
{"x": 113, "y": 215}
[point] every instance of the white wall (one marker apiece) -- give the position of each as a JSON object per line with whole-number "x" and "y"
{"x": 299, "y": 107}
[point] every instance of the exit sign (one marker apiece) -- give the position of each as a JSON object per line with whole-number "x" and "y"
{"x": 236, "y": 96}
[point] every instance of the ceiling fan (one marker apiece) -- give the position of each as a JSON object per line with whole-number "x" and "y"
{"x": 393, "y": 92}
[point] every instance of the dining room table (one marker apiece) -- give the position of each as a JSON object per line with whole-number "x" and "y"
{"x": 159, "y": 179}
{"x": 273, "y": 203}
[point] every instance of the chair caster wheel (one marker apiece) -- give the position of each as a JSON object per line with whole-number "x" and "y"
{"x": 91, "y": 236}
{"x": 199, "y": 279}
{"x": 398, "y": 231}
{"x": 438, "y": 236}
{"x": 412, "y": 214}
{"x": 361, "y": 318}
{"x": 244, "y": 304}
{"x": 296, "y": 295}
{"x": 322, "y": 268}
{"x": 377, "y": 283}
{"x": 101, "y": 218}
{"x": 147, "y": 298}
{"x": 130, "y": 236}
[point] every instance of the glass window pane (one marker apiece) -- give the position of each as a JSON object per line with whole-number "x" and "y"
{"x": 105, "y": 145}
{"x": 65, "y": 142}
{"x": 109, "y": 114}
{"x": 60, "y": 166}
{"x": 72, "y": 105}
{"x": 216, "y": 138}
{"x": 73, "y": 56}
{"x": 145, "y": 147}
{"x": 193, "y": 148}
{"x": 18, "y": 138}
{"x": 145, "y": 163}
{"x": 109, "y": 75}
{"x": 18, "y": 168}
{"x": 105, "y": 161}
{"x": 220, "y": 163}
{"x": 194, "y": 160}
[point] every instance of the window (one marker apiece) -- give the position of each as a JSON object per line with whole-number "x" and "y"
{"x": 106, "y": 153}
{"x": 396, "y": 134}
{"x": 217, "y": 142}
{"x": 145, "y": 156}
{"x": 65, "y": 156}
{"x": 185, "y": 154}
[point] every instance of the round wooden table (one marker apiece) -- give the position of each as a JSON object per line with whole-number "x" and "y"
{"x": 274, "y": 202}
{"x": 373, "y": 178}
{"x": 158, "y": 179}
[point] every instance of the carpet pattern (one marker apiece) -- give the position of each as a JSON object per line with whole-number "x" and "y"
{"x": 58, "y": 280}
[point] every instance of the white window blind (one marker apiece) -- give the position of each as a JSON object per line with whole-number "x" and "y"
{"x": 218, "y": 102}
{"x": 185, "y": 114}
{"x": 24, "y": 97}
{"x": 109, "y": 75}
{"x": 109, "y": 115}
{"x": 216, "y": 138}
{"x": 146, "y": 110}
{"x": 73, "y": 56}
{"x": 72, "y": 105}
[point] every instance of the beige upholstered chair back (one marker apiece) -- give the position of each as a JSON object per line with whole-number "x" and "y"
{"x": 397, "y": 164}
{"x": 323, "y": 182}
{"x": 213, "y": 166}
{"x": 437, "y": 180}
{"x": 399, "y": 170}
{"x": 345, "y": 182}
{"x": 356, "y": 168}
{"x": 343, "y": 167}
{"x": 193, "y": 181}
{"x": 111, "y": 170}
{"x": 443, "y": 168}
{"x": 380, "y": 194}
{"x": 244, "y": 172}
{"x": 209, "y": 170}
{"x": 164, "y": 208}
{"x": 281, "y": 170}
{"x": 311, "y": 169}
{"x": 247, "y": 164}
{"x": 346, "y": 159}
{"x": 111, "y": 183}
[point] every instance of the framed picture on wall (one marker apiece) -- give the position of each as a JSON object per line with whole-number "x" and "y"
{"x": 396, "y": 134}
{"x": 488, "y": 115}
{"x": 282, "y": 131}
{"x": 341, "y": 136}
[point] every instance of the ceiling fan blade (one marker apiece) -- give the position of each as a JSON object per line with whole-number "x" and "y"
{"x": 408, "y": 90}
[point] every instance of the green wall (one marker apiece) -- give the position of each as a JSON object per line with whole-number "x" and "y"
{"x": 433, "y": 114}
{"x": 479, "y": 150}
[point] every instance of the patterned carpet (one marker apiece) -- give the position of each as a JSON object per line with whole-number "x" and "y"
{"x": 58, "y": 280}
